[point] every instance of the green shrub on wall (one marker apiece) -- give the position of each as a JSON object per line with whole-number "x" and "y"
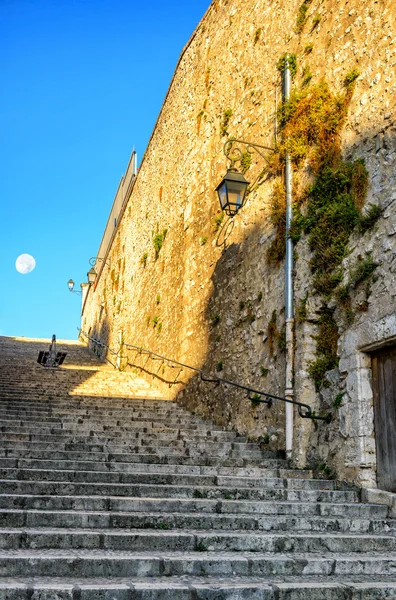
{"x": 330, "y": 208}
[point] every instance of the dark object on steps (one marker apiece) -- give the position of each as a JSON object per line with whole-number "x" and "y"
{"x": 52, "y": 358}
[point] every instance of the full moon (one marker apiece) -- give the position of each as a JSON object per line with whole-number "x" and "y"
{"x": 25, "y": 263}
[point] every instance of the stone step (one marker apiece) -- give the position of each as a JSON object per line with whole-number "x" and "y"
{"x": 84, "y": 379}
{"x": 270, "y": 468}
{"x": 88, "y": 431}
{"x": 136, "y": 459}
{"x": 191, "y": 498}
{"x": 177, "y": 434}
{"x": 199, "y": 588}
{"x": 331, "y": 509}
{"x": 230, "y": 493}
{"x": 166, "y": 452}
{"x": 91, "y": 420}
{"x": 59, "y": 390}
{"x": 73, "y": 391}
{"x": 137, "y": 446}
{"x": 203, "y": 485}
{"x": 86, "y": 427}
{"x": 73, "y": 407}
{"x": 109, "y": 564}
{"x": 165, "y": 515}
{"x": 158, "y": 477}
{"x": 110, "y": 421}
{"x": 85, "y": 376}
{"x": 62, "y": 399}
{"x": 55, "y": 438}
{"x": 66, "y": 398}
{"x": 75, "y": 413}
{"x": 128, "y": 444}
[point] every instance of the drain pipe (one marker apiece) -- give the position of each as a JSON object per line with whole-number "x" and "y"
{"x": 289, "y": 387}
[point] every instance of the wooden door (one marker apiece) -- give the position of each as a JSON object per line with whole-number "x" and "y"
{"x": 384, "y": 391}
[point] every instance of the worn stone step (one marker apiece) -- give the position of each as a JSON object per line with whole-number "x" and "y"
{"x": 113, "y": 418}
{"x": 74, "y": 413}
{"x": 180, "y": 434}
{"x": 148, "y": 514}
{"x": 91, "y": 428}
{"x": 63, "y": 400}
{"x": 197, "y": 588}
{"x": 63, "y": 382}
{"x": 137, "y": 461}
{"x": 113, "y": 393}
{"x": 222, "y": 493}
{"x": 62, "y": 391}
{"x": 175, "y": 497}
{"x": 227, "y": 521}
{"x": 76, "y": 408}
{"x": 24, "y": 478}
{"x": 85, "y": 379}
{"x": 141, "y": 444}
{"x": 109, "y": 564}
{"x": 14, "y": 437}
{"x": 139, "y": 454}
{"x": 92, "y": 460}
{"x": 270, "y": 468}
{"x": 33, "y": 417}
{"x": 92, "y": 421}
{"x": 202, "y": 485}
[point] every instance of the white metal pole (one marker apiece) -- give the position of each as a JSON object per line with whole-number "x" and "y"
{"x": 289, "y": 391}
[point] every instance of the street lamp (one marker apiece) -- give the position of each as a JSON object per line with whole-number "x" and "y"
{"x": 232, "y": 191}
{"x": 92, "y": 275}
{"x": 70, "y": 285}
{"x": 233, "y": 187}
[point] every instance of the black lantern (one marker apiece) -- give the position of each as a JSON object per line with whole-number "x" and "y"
{"x": 91, "y": 276}
{"x": 232, "y": 192}
{"x": 70, "y": 285}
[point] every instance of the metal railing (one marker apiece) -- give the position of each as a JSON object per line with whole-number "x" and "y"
{"x": 256, "y": 396}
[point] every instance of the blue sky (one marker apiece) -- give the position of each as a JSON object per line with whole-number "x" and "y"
{"x": 82, "y": 83}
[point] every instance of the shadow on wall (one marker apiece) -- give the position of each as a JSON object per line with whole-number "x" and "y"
{"x": 240, "y": 347}
{"x": 243, "y": 343}
{"x": 100, "y": 331}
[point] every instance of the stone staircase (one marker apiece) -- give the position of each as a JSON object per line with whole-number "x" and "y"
{"x": 108, "y": 492}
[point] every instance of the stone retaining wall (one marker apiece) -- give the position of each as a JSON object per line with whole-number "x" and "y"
{"x": 208, "y": 296}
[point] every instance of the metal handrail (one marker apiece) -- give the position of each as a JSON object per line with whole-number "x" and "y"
{"x": 304, "y": 410}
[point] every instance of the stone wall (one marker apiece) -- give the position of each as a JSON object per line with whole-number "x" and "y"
{"x": 208, "y": 296}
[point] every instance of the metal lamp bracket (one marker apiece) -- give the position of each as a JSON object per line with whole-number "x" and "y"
{"x": 234, "y": 153}
{"x": 92, "y": 261}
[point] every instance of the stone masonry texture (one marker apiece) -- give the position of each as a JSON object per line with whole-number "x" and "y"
{"x": 206, "y": 295}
